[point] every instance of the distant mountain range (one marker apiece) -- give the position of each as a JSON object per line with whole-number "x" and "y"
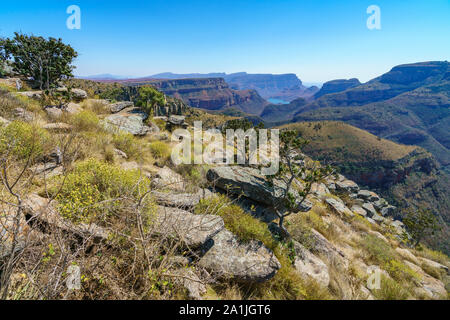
{"x": 409, "y": 104}
{"x": 285, "y": 87}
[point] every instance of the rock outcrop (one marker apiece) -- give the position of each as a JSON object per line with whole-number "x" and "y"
{"x": 250, "y": 183}
{"x": 227, "y": 257}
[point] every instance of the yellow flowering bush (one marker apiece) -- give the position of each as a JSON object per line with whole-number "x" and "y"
{"x": 23, "y": 140}
{"x": 94, "y": 189}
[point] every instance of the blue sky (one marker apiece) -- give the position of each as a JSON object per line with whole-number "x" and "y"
{"x": 318, "y": 40}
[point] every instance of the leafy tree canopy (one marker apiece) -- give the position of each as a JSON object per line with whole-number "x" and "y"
{"x": 46, "y": 61}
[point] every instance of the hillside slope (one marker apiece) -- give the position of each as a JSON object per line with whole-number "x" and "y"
{"x": 405, "y": 175}
{"x": 410, "y": 105}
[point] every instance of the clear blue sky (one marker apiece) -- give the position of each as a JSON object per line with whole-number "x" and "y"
{"x": 318, "y": 40}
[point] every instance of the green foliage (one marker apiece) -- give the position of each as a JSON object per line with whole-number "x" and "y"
{"x": 149, "y": 98}
{"x": 127, "y": 143}
{"x": 420, "y": 223}
{"x": 45, "y": 60}
{"x": 93, "y": 190}
{"x": 378, "y": 251}
{"x": 390, "y": 290}
{"x": 236, "y": 220}
{"x": 85, "y": 120}
{"x": 160, "y": 150}
{"x": 23, "y": 140}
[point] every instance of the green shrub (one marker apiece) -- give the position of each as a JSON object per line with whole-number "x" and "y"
{"x": 378, "y": 251}
{"x": 23, "y": 140}
{"x": 127, "y": 143}
{"x": 85, "y": 120}
{"x": 390, "y": 290}
{"x": 92, "y": 182}
{"x": 160, "y": 150}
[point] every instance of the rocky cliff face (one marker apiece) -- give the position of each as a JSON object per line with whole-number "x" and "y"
{"x": 337, "y": 86}
{"x": 208, "y": 93}
{"x": 284, "y": 86}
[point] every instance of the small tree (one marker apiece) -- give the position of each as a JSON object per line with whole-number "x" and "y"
{"x": 149, "y": 98}
{"x": 420, "y": 223}
{"x": 46, "y": 61}
{"x": 294, "y": 166}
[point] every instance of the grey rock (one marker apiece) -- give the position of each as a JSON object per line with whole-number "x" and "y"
{"x": 357, "y": 209}
{"x": 132, "y": 123}
{"x": 369, "y": 209}
{"x": 388, "y": 211}
{"x": 37, "y": 95}
{"x": 181, "y": 200}
{"x": 339, "y": 207}
{"x": 58, "y": 127}
{"x": 250, "y": 183}
{"x": 347, "y": 186}
{"x": 78, "y": 94}
{"x": 191, "y": 229}
{"x": 119, "y": 106}
{"x": 73, "y": 108}
{"x": 309, "y": 265}
{"x": 377, "y": 218}
{"x": 230, "y": 258}
{"x": 53, "y": 112}
{"x": 4, "y": 122}
{"x": 327, "y": 250}
{"x": 22, "y": 114}
{"x": 368, "y": 195}
{"x": 380, "y": 204}
{"x": 166, "y": 178}
{"x": 176, "y": 120}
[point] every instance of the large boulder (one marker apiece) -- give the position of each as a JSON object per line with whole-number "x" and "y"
{"x": 369, "y": 209}
{"x": 357, "y": 209}
{"x": 78, "y": 94}
{"x": 73, "y": 108}
{"x": 309, "y": 265}
{"x": 129, "y": 122}
{"x": 166, "y": 178}
{"x": 324, "y": 248}
{"x": 228, "y": 257}
{"x": 192, "y": 229}
{"x": 53, "y": 112}
{"x": 339, "y": 207}
{"x": 58, "y": 127}
{"x": 119, "y": 106}
{"x": 432, "y": 287}
{"x": 37, "y": 95}
{"x": 185, "y": 201}
{"x": 250, "y": 183}
{"x": 43, "y": 214}
{"x": 23, "y": 115}
{"x": 368, "y": 195}
{"x": 347, "y": 186}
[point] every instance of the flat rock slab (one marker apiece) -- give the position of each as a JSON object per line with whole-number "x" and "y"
{"x": 166, "y": 178}
{"x": 192, "y": 229}
{"x": 132, "y": 123}
{"x": 247, "y": 262}
{"x": 309, "y": 265}
{"x": 368, "y": 195}
{"x": 119, "y": 106}
{"x": 358, "y": 210}
{"x": 181, "y": 200}
{"x": 250, "y": 183}
{"x": 348, "y": 186}
{"x": 339, "y": 207}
